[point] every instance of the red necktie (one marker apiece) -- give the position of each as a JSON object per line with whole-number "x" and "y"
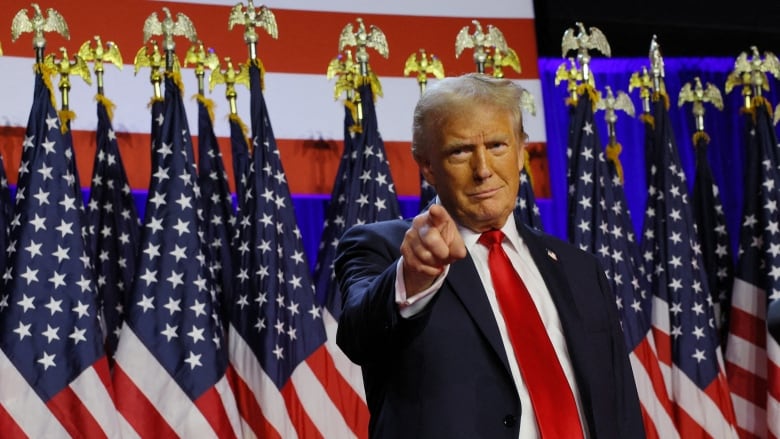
{"x": 551, "y": 396}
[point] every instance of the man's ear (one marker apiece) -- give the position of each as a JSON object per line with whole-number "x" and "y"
{"x": 426, "y": 170}
{"x": 521, "y": 156}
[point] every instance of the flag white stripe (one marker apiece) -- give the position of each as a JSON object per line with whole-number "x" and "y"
{"x": 351, "y": 372}
{"x": 322, "y": 117}
{"x": 438, "y": 8}
{"x": 700, "y": 407}
{"x": 748, "y": 415}
{"x": 744, "y": 354}
{"x": 662, "y": 420}
{"x": 93, "y": 394}
{"x": 24, "y": 405}
{"x": 146, "y": 373}
{"x": 773, "y": 417}
{"x": 264, "y": 390}
{"x": 318, "y": 405}
{"x": 748, "y": 298}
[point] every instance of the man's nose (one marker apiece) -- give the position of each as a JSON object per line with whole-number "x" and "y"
{"x": 481, "y": 163}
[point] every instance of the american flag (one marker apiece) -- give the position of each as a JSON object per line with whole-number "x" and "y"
{"x": 115, "y": 229}
{"x": 335, "y": 222}
{"x": 218, "y": 211}
{"x": 171, "y": 361}
{"x": 6, "y": 209}
{"x": 241, "y": 157}
{"x": 526, "y": 206}
{"x": 713, "y": 236}
{"x": 753, "y": 357}
{"x": 682, "y": 317}
{"x": 364, "y": 192}
{"x": 56, "y": 380}
{"x": 157, "y": 107}
{"x": 599, "y": 223}
{"x": 283, "y": 373}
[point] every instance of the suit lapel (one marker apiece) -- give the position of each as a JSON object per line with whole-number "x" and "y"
{"x": 552, "y": 271}
{"x": 464, "y": 281}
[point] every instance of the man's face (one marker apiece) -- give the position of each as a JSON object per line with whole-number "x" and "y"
{"x": 475, "y": 166}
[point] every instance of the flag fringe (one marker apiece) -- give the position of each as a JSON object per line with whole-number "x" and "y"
{"x": 208, "y": 103}
{"x": 107, "y": 103}
{"x": 613, "y": 155}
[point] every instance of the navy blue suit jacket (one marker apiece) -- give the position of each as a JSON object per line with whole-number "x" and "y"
{"x": 444, "y": 372}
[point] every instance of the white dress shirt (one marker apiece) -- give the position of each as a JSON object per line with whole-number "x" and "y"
{"x": 524, "y": 265}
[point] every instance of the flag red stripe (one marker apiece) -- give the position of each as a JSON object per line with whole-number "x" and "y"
{"x": 9, "y": 427}
{"x": 104, "y": 374}
{"x": 296, "y": 51}
{"x": 773, "y": 377}
{"x": 748, "y": 326}
{"x": 74, "y": 416}
{"x": 250, "y": 411}
{"x": 350, "y": 404}
{"x": 210, "y": 404}
{"x": 746, "y": 384}
{"x": 650, "y": 431}
{"x": 687, "y": 426}
{"x": 300, "y": 418}
{"x": 136, "y": 408}
{"x": 663, "y": 346}
{"x": 745, "y": 434}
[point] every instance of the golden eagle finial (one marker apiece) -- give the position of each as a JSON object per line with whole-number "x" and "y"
{"x": 65, "y": 68}
{"x": 361, "y": 39}
{"x": 610, "y": 104}
{"x": 230, "y": 77}
{"x": 644, "y": 83}
{"x": 572, "y": 75}
{"x": 202, "y": 59}
{"x": 751, "y": 73}
{"x": 698, "y": 95}
{"x": 38, "y": 24}
{"x": 168, "y": 28}
{"x": 99, "y": 55}
{"x": 251, "y": 17}
{"x": 423, "y": 65}
{"x": 150, "y": 56}
{"x": 582, "y": 41}
{"x": 480, "y": 42}
{"x": 503, "y": 58}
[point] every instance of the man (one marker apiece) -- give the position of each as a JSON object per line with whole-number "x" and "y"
{"x": 428, "y": 313}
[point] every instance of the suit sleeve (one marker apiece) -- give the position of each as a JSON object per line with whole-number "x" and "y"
{"x": 365, "y": 268}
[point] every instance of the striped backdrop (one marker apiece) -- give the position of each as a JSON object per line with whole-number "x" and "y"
{"x": 305, "y": 116}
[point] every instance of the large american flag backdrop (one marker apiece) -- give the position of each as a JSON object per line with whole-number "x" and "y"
{"x": 299, "y": 96}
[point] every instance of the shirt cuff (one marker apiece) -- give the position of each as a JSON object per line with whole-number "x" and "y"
{"x": 413, "y": 305}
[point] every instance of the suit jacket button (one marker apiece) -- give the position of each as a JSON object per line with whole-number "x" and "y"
{"x": 509, "y": 421}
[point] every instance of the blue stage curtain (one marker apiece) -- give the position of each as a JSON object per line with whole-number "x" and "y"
{"x": 725, "y": 128}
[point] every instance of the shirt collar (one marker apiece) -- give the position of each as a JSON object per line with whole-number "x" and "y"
{"x": 471, "y": 237}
